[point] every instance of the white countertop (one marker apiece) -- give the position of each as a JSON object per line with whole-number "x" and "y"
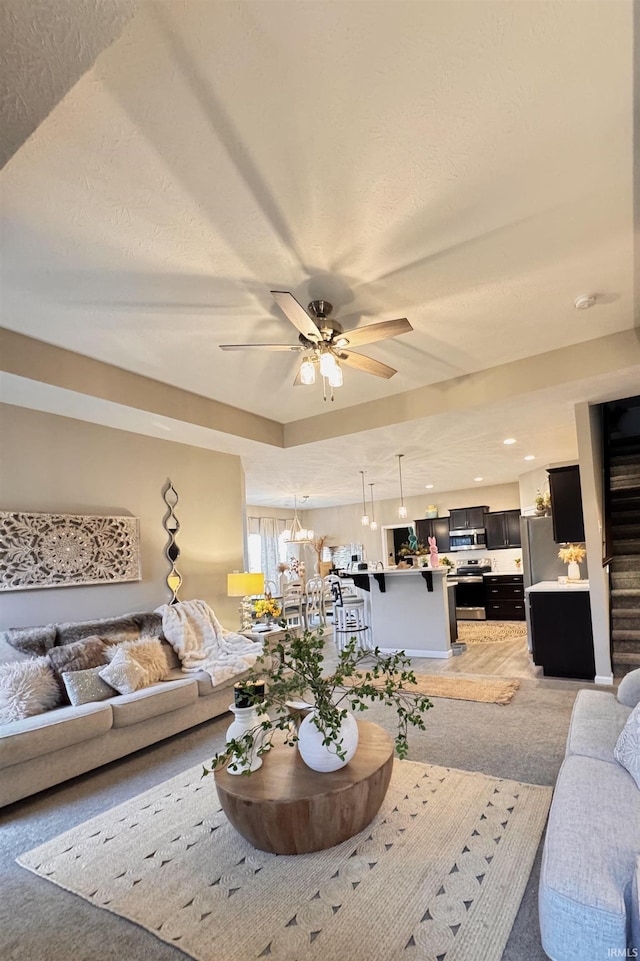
{"x": 542, "y": 586}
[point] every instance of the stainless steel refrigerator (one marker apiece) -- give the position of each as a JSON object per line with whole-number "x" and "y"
{"x": 540, "y": 561}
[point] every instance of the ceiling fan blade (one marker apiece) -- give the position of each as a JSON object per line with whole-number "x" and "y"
{"x": 295, "y": 347}
{"x": 373, "y": 332}
{"x": 367, "y": 364}
{"x": 296, "y": 313}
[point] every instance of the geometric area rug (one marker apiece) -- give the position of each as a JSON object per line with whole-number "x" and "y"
{"x": 438, "y": 875}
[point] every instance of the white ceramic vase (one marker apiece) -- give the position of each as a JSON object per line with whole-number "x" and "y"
{"x": 573, "y": 571}
{"x": 320, "y": 757}
{"x": 246, "y": 719}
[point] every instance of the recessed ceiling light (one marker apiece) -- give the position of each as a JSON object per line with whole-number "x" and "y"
{"x": 530, "y": 457}
{"x": 428, "y": 486}
{"x": 509, "y": 440}
{"x": 478, "y": 479}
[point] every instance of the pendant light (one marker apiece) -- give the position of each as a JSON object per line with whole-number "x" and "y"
{"x": 296, "y": 533}
{"x": 402, "y": 510}
{"x": 364, "y": 520}
{"x": 374, "y": 524}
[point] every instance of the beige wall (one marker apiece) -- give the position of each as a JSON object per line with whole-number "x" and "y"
{"x": 342, "y": 524}
{"x": 58, "y": 465}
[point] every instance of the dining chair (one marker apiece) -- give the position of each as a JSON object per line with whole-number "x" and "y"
{"x": 293, "y": 604}
{"x": 314, "y": 609}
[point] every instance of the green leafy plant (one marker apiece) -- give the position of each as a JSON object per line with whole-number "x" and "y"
{"x": 294, "y": 669}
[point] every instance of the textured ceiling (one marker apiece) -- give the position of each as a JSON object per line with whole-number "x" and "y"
{"x": 466, "y": 165}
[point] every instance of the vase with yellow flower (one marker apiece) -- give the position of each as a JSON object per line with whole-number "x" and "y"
{"x": 267, "y": 609}
{"x": 572, "y": 554}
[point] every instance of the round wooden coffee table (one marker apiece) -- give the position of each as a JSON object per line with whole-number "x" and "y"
{"x": 286, "y": 808}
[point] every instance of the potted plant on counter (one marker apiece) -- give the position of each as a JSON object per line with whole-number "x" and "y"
{"x": 297, "y": 683}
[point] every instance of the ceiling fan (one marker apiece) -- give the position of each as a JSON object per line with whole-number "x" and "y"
{"x": 325, "y": 345}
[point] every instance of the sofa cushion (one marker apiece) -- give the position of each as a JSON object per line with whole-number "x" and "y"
{"x": 153, "y": 701}
{"x": 60, "y": 728}
{"x": 627, "y": 750}
{"x": 635, "y": 909}
{"x": 206, "y": 686}
{"x": 629, "y": 689}
{"x": 596, "y": 722}
{"x": 592, "y": 841}
{"x": 27, "y": 688}
{"x": 86, "y": 686}
{"x": 123, "y": 673}
{"x": 34, "y": 641}
{"x": 79, "y": 656}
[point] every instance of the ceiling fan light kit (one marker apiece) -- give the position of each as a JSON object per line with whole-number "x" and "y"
{"x": 323, "y": 342}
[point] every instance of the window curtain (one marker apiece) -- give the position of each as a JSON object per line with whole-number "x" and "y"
{"x": 269, "y": 529}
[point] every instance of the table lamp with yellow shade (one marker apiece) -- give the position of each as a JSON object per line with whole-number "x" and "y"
{"x": 244, "y": 585}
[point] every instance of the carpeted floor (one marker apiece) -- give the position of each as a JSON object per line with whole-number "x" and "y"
{"x": 442, "y": 867}
{"x": 490, "y": 632}
{"x": 40, "y": 921}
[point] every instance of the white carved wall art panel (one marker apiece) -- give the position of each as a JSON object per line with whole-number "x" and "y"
{"x": 67, "y": 550}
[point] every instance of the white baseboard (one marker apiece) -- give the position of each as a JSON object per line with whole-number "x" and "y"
{"x": 417, "y": 653}
{"x": 603, "y": 679}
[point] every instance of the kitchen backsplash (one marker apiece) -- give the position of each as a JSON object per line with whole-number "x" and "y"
{"x": 502, "y": 561}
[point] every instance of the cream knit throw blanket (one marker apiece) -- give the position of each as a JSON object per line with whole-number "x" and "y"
{"x": 202, "y": 644}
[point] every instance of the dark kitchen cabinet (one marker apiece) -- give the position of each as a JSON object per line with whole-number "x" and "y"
{"x": 504, "y": 597}
{"x": 503, "y": 529}
{"x": 467, "y": 518}
{"x": 566, "y": 504}
{"x": 437, "y": 527}
{"x": 561, "y": 633}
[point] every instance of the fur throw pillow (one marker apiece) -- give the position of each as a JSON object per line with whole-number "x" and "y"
{"x": 79, "y": 656}
{"x": 27, "y": 688}
{"x": 150, "y": 654}
{"x": 34, "y": 641}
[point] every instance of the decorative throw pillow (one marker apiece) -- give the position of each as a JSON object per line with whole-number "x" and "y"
{"x": 85, "y": 686}
{"x": 627, "y": 750}
{"x": 27, "y": 688}
{"x": 124, "y": 673}
{"x": 150, "y": 654}
{"x": 629, "y": 689}
{"x": 34, "y": 641}
{"x": 79, "y": 656}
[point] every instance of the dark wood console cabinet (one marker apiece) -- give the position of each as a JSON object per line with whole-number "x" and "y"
{"x": 566, "y": 504}
{"x": 504, "y": 597}
{"x": 503, "y": 529}
{"x": 561, "y": 633}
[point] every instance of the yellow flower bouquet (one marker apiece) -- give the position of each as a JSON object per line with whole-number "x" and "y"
{"x": 573, "y": 552}
{"x": 267, "y": 607}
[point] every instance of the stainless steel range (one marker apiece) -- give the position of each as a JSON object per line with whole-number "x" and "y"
{"x": 470, "y": 590}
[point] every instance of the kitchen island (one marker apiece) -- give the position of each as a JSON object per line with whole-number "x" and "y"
{"x": 559, "y": 623}
{"x": 407, "y": 610}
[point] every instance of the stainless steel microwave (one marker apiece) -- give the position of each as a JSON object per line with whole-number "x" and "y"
{"x": 469, "y": 540}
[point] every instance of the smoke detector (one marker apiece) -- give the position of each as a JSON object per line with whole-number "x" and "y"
{"x": 584, "y": 302}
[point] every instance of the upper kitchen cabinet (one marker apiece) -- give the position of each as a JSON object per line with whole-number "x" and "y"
{"x": 566, "y": 504}
{"x": 467, "y": 518}
{"x": 503, "y": 529}
{"x": 437, "y": 527}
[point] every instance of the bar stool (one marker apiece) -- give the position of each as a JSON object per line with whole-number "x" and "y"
{"x": 349, "y": 620}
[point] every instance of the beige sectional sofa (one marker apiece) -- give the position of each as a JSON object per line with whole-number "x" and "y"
{"x": 46, "y": 749}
